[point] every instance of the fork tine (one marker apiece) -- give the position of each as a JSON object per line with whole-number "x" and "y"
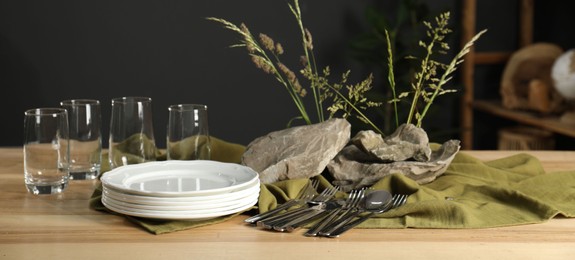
{"x": 400, "y": 200}
{"x": 344, "y": 216}
{"x": 359, "y": 197}
{"x": 352, "y": 196}
{"x": 305, "y": 194}
{"x": 395, "y": 200}
{"x": 309, "y": 190}
{"x": 323, "y": 197}
{"x": 322, "y": 194}
{"x": 331, "y": 193}
{"x": 313, "y": 231}
{"x": 314, "y": 184}
{"x": 326, "y": 194}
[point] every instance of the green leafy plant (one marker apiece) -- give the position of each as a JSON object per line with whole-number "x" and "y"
{"x": 343, "y": 99}
{"x": 401, "y": 23}
{"x": 432, "y": 75}
{"x": 334, "y": 99}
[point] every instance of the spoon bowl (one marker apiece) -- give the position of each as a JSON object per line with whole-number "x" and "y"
{"x": 376, "y": 200}
{"x": 373, "y": 201}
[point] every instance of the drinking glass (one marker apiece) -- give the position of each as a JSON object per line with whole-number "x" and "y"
{"x": 46, "y": 150}
{"x": 85, "y": 138}
{"x": 131, "y": 132}
{"x": 188, "y": 137}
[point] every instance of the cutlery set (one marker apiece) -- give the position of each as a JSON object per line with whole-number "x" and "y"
{"x": 332, "y": 216}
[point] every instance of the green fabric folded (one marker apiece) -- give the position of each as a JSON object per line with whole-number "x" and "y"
{"x": 473, "y": 194}
{"x": 514, "y": 190}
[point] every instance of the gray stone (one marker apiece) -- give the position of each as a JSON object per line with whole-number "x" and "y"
{"x": 407, "y": 142}
{"x": 297, "y": 152}
{"x": 354, "y": 168}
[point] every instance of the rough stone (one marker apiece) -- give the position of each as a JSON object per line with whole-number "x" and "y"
{"x": 297, "y": 152}
{"x": 354, "y": 168}
{"x": 407, "y": 142}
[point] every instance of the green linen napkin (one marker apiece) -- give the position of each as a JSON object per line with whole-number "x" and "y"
{"x": 471, "y": 194}
{"x": 221, "y": 151}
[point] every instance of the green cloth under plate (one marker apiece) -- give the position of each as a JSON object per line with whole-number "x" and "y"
{"x": 508, "y": 191}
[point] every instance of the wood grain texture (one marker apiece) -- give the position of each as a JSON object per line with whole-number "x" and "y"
{"x": 64, "y": 227}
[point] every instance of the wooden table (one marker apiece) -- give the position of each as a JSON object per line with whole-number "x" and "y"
{"x": 64, "y": 227}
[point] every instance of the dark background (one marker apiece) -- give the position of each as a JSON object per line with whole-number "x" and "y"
{"x": 167, "y": 50}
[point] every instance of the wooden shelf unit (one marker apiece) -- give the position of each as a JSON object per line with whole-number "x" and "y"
{"x": 473, "y": 58}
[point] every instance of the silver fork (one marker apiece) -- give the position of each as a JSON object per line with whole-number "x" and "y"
{"x": 305, "y": 194}
{"x": 353, "y": 198}
{"x": 397, "y": 201}
{"x": 316, "y": 207}
{"x": 287, "y": 216}
{"x": 292, "y": 212}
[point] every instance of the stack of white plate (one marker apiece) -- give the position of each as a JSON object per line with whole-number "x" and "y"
{"x": 189, "y": 190}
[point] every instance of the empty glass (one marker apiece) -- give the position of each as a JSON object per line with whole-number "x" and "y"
{"x": 187, "y": 134}
{"x": 46, "y": 151}
{"x": 131, "y": 131}
{"x": 85, "y": 138}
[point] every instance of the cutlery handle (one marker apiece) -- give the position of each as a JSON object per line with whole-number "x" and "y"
{"x": 273, "y": 220}
{"x": 342, "y": 220}
{"x": 313, "y": 231}
{"x": 284, "y": 223}
{"x": 311, "y": 217}
{"x": 256, "y": 218}
{"x": 350, "y": 225}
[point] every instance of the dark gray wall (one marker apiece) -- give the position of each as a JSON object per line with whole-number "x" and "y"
{"x": 55, "y": 50}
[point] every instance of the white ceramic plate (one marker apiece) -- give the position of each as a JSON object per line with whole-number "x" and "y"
{"x": 178, "y": 201}
{"x": 179, "y": 178}
{"x": 177, "y": 216}
{"x": 186, "y": 208}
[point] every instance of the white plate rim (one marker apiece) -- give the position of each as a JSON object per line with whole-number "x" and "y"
{"x": 197, "y": 197}
{"x": 116, "y": 178}
{"x": 151, "y": 200}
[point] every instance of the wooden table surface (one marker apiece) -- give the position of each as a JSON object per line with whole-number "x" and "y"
{"x": 64, "y": 227}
